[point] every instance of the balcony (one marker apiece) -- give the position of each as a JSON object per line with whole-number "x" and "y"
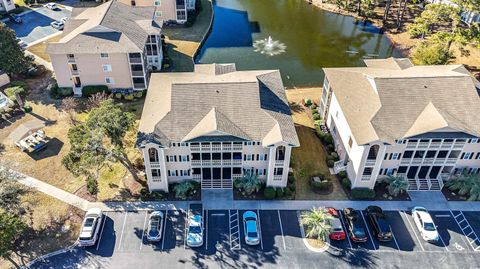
{"x": 417, "y": 161}
{"x": 194, "y": 148}
{"x": 227, "y": 162}
{"x": 226, "y": 147}
{"x": 435, "y": 144}
{"x": 405, "y": 160}
{"x": 447, "y": 144}
{"x": 195, "y": 162}
{"x": 366, "y": 177}
{"x": 156, "y": 178}
{"x": 216, "y": 162}
{"x": 411, "y": 145}
{"x": 135, "y": 60}
{"x": 205, "y": 147}
{"x": 277, "y": 177}
{"x": 74, "y": 72}
{"x": 216, "y": 147}
{"x": 137, "y": 73}
{"x": 206, "y": 162}
{"x": 139, "y": 85}
{"x": 370, "y": 162}
{"x": 236, "y": 162}
{"x": 423, "y": 145}
{"x": 196, "y": 176}
{"x": 71, "y": 59}
{"x": 339, "y": 166}
{"x": 458, "y": 145}
{"x": 451, "y": 160}
{"x": 154, "y": 165}
{"x": 445, "y": 176}
{"x": 279, "y": 162}
{"x": 237, "y": 147}
{"x": 428, "y": 160}
{"x": 236, "y": 176}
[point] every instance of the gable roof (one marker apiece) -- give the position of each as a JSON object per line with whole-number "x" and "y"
{"x": 111, "y": 27}
{"x": 384, "y": 102}
{"x": 250, "y": 105}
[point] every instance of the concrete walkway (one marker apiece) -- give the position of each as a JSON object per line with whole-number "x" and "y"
{"x": 222, "y": 199}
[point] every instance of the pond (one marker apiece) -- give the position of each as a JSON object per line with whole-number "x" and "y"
{"x": 311, "y": 38}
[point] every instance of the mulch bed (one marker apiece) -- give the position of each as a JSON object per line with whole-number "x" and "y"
{"x": 237, "y": 195}
{"x": 382, "y": 194}
{"x": 453, "y": 195}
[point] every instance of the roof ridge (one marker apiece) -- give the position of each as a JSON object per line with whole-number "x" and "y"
{"x": 105, "y": 13}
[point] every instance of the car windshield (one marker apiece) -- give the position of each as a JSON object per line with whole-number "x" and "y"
{"x": 359, "y": 233}
{"x": 89, "y": 222}
{"x": 154, "y": 225}
{"x": 252, "y": 234}
{"x": 194, "y": 229}
{"x": 428, "y": 226}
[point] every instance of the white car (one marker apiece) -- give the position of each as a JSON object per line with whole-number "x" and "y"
{"x": 250, "y": 228}
{"x": 50, "y": 6}
{"x": 57, "y": 25}
{"x": 155, "y": 226}
{"x": 424, "y": 223}
{"x": 195, "y": 231}
{"x": 90, "y": 227}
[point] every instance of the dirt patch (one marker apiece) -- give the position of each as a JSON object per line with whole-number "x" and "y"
{"x": 315, "y": 243}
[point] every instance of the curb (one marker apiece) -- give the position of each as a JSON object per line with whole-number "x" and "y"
{"x": 51, "y": 254}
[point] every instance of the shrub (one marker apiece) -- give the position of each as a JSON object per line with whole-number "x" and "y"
{"x": 330, "y": 158}
{"x": 308, "y": 102}
{"x": 292, "y": 187}
{"x": 330, "y": 148}
{"x": 346, "y": 183}
{"x": 27, "y": 109}
{"x": 288, "y": 192}
{"x": 21, "y": 84}
{"x": 65, "y": 91}
{"x": 118, "y": 96}
{"x": 319, "y": 132}
{"x": 317, "y": 116}
{"x": 11, "y": 91}
{"x": 342, "y": 174}
{"x": 90, "y": 90}
{"x": 313, "y": 107}
{"x": 328, "y": 139}
{"x": 280, "y": 192}
{"x": 92, "y": 186}
{"x": 138, "y": 94}
{"x": 129, "y": 97}
{"x": 291, "y": 178}
{"x": 334, "y": 155}
{"x": 322, "y": 186}
{"x": 146, "y": 195}
{"x": 184, "y": 189}
{"x": 269, "y": 193}
{"x": 362, "y": 193}
{"x": 330, "y": 163}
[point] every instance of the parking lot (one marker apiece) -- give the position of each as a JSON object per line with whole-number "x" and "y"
{"x": 36, "y": 24}
{"x": 122, "y": 243}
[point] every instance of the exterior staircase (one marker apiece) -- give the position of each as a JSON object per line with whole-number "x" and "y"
{"x": 217, "y": 184}
{"x": 425, "y": 184}
{"x": 412, "y": 184}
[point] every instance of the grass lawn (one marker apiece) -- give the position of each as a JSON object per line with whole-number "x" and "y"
{"x": 183, "y": 42}
{"x": 39, "y": 49}
{"x": 311, "y": 154}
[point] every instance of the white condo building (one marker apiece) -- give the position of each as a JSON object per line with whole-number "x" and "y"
{"x": 214, "y": 124}
{"x": 393, "y": 118}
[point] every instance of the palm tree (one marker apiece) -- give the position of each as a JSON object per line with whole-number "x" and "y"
{"x": 318, "y": 223}
{"x": 466, "y": 184}
{"x": 396, "y": 185}
{"x": 249, "y": 183}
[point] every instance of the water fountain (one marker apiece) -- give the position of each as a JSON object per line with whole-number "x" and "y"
{"x": 269, "y": 47}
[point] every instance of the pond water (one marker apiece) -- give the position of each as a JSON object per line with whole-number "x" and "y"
{"x": 311, "y": 38}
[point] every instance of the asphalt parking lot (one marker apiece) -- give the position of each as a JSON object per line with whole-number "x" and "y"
{"x": 123, "y": 245}
{"x": 36, "y": 24}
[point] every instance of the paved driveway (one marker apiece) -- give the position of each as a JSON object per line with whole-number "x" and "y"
{"x": 36, "y": 24}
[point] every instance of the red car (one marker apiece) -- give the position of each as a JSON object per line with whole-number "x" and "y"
{"x": 336, "y": 232}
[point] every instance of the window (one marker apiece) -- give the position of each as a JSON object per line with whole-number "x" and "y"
{"x": 261, "y": 172}
{"x": 185, "y": 173}
{"x": 477, "y": 156}
{"x": 395, "y": 156}
{"x": 109, "y": 80}
{"x": 367, "y": 171}
{"x": 171, "y": 158}
{"x": 249, "y": 143}
{"x": 103, "y": 55}
{"x": 248, "y": 157}
{"x": 107, "y": 68}
{"x": 431, "y": 154}
{"x": 155, "y": 172}
{"x": 153, "y": 154}
{"x": 467, "y": 155}
{"x": 158, "y": 14}
{"x": 157, "y": 3}
{"x": 442, "y": 154}
{"x": 278, "y": 171}
{"x": 408, "y": 154}
{"x": 183, "y": 158}
{"x": 262, "y": 157}
{"x": 172, "y": 173}
{"x": 419, "y": 154}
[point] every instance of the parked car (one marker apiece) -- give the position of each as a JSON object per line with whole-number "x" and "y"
{"x": 336, "y": 231}
{"x": 22, "y": 44}
{"x": 50, "y": 5}
{"x": 57, "y": 25}
{"x": 155, "y": 226}
{"x": 425, "y": 224}
{"x": 356, "y": 232}
{"x": 15, "y": 18}
{"x": 250, "y": 227}
{"x": 195, "y": 231}
{"x": 381, "y": 228}
{"x": 90, "y": 227}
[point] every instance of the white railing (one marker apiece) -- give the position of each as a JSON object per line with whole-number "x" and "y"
{"x": 423, "y": 145}
{"x": 194, "y": 148}
{"x": 367, "y": 177}
{"x": 205, "y": 147}
{"x": 196, "y": 176}
{"x": 216, "y": 162}
{"x": 405, "y": 160}
{"x": 339, "y": 166}
{"x": 277, "y": 177}
{"x": 417, "y": 161}
{"x": 155, "y": 165}
{"x": 236, "y": 162}
{"x": 237, "y": 147}
{"x": 451, "y": 160}
{"x": 156, "y": 178}
{"x": 206, "y": 162}
{"x": 447, "y": 144}
{"x": 279, "y": 162}
{"x": 236, "y": 176}
{"x": 428, "y": 160}
{"x": 227, "y": 162}
{"x": 435, "y": 144}
{"x": 458, "y": 145}
{"x": 370, "y": 161}
{"x": 445, "y": 176}
{"x": 227, "y": 147}
{"x": 195, "y": 162}
{"x": 411, "y": 145}
{"x": 216, "y": 147}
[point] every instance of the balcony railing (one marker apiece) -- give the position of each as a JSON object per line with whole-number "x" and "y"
{"x": 445, "y": 176}
{"x": 458, "y": 145}
{"x": 71, "y": 59}
{"x": 236, "y": 176}
{"x": 451, "y": 160}
{"x": 195, "y": 162}
{"x": 236, "y": 162}
{"x": 237, "y": 147}
{"x": 137, "y": 73}
{"x": 216, "y": 162}
{"x": 196, "y": 176}
{"x": 139, "y": 85}
{"x": 366, "y": 177}
{"x": 227, "y": 147}
{"x": 447, "y": 144}
{"x": 135, "y": 60}
{"x": 422, "y": 145}
{"x": 216, "y": 147}
{"x": 227, "y": 162}
{"x": 411, "y": 145}
{"x": 428, "y": 160}
{"x": 205, "y": 147}
{"x": 417, "y": 161}
{"x": 370, "y": 162}
{"x": 74, "y": 72}
{"x": 435, "y": 144}
{"x": 156, "y": 178}
{"x": 277, "y": 177}
{"x": 194, "y": 148}
{"x": 405, "y": 160}
{"x": 279, "y": 162}
{"x": 339, "y": 166}
{"x": 154, "y": 164}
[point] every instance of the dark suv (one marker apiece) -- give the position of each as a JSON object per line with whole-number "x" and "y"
{"x": 356, "y": 232}
{"x": 381, "y": 228}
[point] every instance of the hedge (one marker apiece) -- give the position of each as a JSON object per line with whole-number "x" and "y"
{"x": 269, "y": 193}
{"x": 280, "y": 192}
{"x": 362, "y": 193}
{"x": 342, "y": 174}
{"x": 91, "y": 90}
{"x": 323, "y": 186}
{"x": 346, "y": 183}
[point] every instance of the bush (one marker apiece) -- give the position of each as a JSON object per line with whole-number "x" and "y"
{"x": 184, "y": 190}
{"x": 313, "y": 107}
{"x": 87, "y": 91}
{"x": 322, "y": 186}
{"x": 320, "y": 133}
{"x": 346, "y": 183}
{"x": 280, "y": 192}
{"x": 269, "y": 193}
{"x": 308, "y": 102}
{"x": 138, "y": 94}
{"x": 330, "y": 148}
{"x": 11, "y": 91}
{"x": 291, "y": 178}
{"x": 65, "y": 91}
{"x": 334, "y": 155}
{"x": 146, "y": 195}
{"x": 328, "y": 139}
{"x": 27, "y": 109}
{"x": 118, "y": 96}
{"x": 330, "y": 163}
{"x": 317, "y": 116}
{"x": 21, "y": 84}
{"x": 288, "y": 192}
{"x": 330, "y": 158}
{"x": 342, "y": 174}
{"x": 56, "y": 93}
{"x": 363, "y": 193}
{"x": 129, "y": 97}
{"x": 92, "y": 186}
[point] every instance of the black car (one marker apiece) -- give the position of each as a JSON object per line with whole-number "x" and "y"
{"x": 381, "y": 228}
{"x": 356, "y": 232}
{"x": 15, "y": 18}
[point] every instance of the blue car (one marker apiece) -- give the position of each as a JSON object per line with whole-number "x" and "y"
{"x": 250, "y": 225}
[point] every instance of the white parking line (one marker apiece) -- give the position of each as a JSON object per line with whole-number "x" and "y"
{"x": 394, "y": 239}
{"x": 368, "y": 230}
{"x": 443, "y": 243}
{"x": 101, "y": 232}
{"x": 281, "y": 229}
{"x": 164, "y": 228}
{"x": 185, "y": 231}
{"x": 143, "y": 230}
{"x": 260, "y": 229}
{"x": 206, "y": 229}
{"x": 230, "y": 228}
{"x": 413, "y": 229}
{"x": 123, "y": 228}
{"x": 345, "y": 228}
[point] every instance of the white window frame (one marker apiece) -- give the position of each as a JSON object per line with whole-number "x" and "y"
{"x": 249, "y": 157}
{"x": 104, "y": 55}
{"x": 467, "y": 155}
{"x": 107, "y": 79}
{"x": 171, "y": 158}
{"x": 107, "y": 67}
{"x": 183, "y": 158}
{"x": 158, "y": 14}
{"x": 395, "y": 156}
{"x": 261, "y": 157}
{"x": 157, "y": 1}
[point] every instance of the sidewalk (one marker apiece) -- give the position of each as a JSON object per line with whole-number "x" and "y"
{"x": 218, "y": 199}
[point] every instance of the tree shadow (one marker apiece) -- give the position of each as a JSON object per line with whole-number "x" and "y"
{"x": 296, "y": 107}
{"x": 53, "y": 148}
{"x": 17, "y": 115}
{"x": 356, "y": 258}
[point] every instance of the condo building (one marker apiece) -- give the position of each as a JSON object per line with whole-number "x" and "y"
{"x": 166, "y": 10}
{"x": 394, "y": 118}
{"x": 7, "y": 5}
{"x": 112, "y": 44}
{"x": 214, "y": 125}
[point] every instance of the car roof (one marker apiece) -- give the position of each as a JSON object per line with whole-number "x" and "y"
{"x": 195, "y": 220}
{"x": 96, "y": 211}
{"x": 251, "y": 226}
{"x": 249, "y": 214}
{"x": 425, "y": 216}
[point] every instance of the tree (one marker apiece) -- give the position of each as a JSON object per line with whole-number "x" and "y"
{"x": 318, "y": 223}
{"x": 11, "y": 192}
{"x": 249, "y": 183}
{"x": 95, "y": 100}
{"x": 466, "y": 184}
{"x": 396, "y": 185}
{"x": 69, "y": 105}
{"x": 183, "y": 189}
{"x": 11, "y": 227}
{"x": 99, "y": 140}
{"x": 432, "y": 18}
{"x": 431, "y": 53}
{"x": 12, "y": 57}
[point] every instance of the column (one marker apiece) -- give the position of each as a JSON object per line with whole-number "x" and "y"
{"x": 271, "y": 164}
